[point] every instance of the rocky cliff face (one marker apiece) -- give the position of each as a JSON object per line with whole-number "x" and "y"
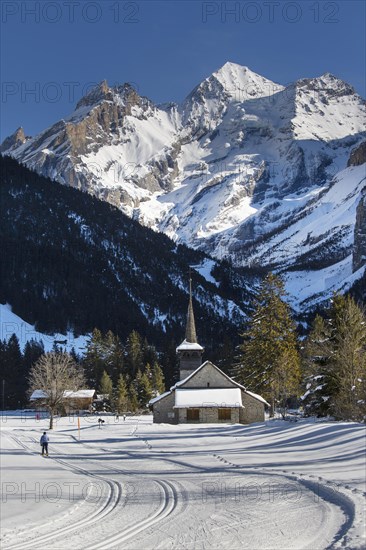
{"x": 267, "y": 175}
{"x": 13, "y": 141}
{"x": 358, "y": 155}
{"x": 359, "y": 247}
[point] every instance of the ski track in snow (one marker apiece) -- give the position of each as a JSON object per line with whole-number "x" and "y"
{"x": 168, "y": 503}
{"x": 168, "y": 508}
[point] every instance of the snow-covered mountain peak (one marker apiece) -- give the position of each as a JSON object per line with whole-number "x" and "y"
{"x": 240, "y": 83}
{"x": 239, "y": 161}
{"x": 232, "y": 84}
{"x": 327, "y": 84}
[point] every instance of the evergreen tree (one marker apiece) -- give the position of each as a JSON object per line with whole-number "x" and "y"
{"x": 318, "y": 377}
{"x": 170, "y": 364}
{"x": 149, "y": 353}
{"x": 157, "y": 380}
{"x": 349, "y": 359}
{"x": 94, "y": 359}
{"x": 32, "y": 352}
{"x": 134, "y": 354}
{"x": 114, "y": 355}
{"x": 144, "y": 388}
{"x": 335, "y": 362}
{"x": 132, "y": 398}
{"x": 269, "y": 361}
{"x": 12, "y": 374}
{"x": 106, "y": 388}
{"x": 121, "y": 395}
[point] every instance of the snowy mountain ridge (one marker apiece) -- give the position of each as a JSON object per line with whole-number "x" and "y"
{"x": 243, "y": 168}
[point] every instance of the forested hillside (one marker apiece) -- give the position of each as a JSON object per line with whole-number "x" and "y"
{"x": 74, "y": 262}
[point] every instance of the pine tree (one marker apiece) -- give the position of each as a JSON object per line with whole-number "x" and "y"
{"x": 132, "y": 398}
{"x": 121, "y": 395}
{"x": 12, "y": 373}
{"x": 114, "y": 355}
{"x": 106, "y": 388}
{"x": 143, "y": 388}
{"x": 269, "y": 361}
{"x": 134, "y": 355}
{"x": 157, "y": 380}
{"x": 170, "y": 364}
{"x": 94, "y": 359}
{"x": 349, "y": 359}
{"x": 335, "y": 362}
{"x": 149, "y": 353}
{"x": 318, "y": 378}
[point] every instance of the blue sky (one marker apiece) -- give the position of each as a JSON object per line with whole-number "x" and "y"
{"x": 52, "y": 51}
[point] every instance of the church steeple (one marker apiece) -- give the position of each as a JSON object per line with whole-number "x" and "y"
{"x": 191, "y": 335}
{"x": 189, "y": 352}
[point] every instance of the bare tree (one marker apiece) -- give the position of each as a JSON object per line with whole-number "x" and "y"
{"x": 52, "y": 375}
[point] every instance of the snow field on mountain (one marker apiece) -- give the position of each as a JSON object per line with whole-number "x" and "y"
{"x": 133, "y": 484}
{"x": 238, "y": 169}
{"x": 13, "y": 324}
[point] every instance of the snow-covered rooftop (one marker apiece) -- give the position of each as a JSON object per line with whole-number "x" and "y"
{"x": 208, "y": 397}
{"x": 158, "y": 397}
{"x": 189, "y": 346}
{"x": 182, "y": 382}
{"x": 80, "y": 394}
{"x": 256, "y": 396}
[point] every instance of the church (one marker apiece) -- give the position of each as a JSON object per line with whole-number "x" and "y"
{"x": 204, "y": 393}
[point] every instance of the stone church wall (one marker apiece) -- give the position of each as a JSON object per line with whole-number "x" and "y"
{"x": 209, "y": 415}
{"x": 253, "y": 410}
{"x": 209, "y": 375}
{"x": 164, "y": 411}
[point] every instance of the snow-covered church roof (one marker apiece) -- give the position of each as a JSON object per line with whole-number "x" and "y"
{"x": 217, "y": 397}
{"x": 208, "y": 397}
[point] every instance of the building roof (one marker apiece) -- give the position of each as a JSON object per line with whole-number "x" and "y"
{"x": 80, "y": 394}
{"x": 179, "y": 386}
{"x": 190, "y": 341}
{"x": 208, "y": 397}
{"x": 158, "y": 397}
{"x": 190, "y": 346}
{"x": 182, "y": 382}
{"x": 38, "y": 394}
{"x": 256, "y": 396}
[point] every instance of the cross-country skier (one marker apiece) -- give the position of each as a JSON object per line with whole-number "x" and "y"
{"x": 44, "y": 443}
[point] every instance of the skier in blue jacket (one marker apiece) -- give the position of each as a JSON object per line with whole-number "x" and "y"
{"x": 44, "y": 443}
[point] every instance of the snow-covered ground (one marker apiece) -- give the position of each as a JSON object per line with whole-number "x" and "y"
{"x": 12, "y": 324}
{"x": 132, "y": 484}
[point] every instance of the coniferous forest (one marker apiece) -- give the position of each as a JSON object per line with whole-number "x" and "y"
{"x": 73, "y": 262}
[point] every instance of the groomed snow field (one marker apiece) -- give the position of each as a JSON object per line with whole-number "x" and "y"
{"x": 137, "y": 485}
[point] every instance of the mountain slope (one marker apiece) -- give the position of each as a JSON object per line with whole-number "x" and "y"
{"x": 73, "y": 262}
{"x": 230, "y": 171}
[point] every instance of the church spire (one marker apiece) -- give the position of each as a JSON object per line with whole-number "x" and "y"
{"x": 191, "y": 335}
{"x": 189, "y": 352}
